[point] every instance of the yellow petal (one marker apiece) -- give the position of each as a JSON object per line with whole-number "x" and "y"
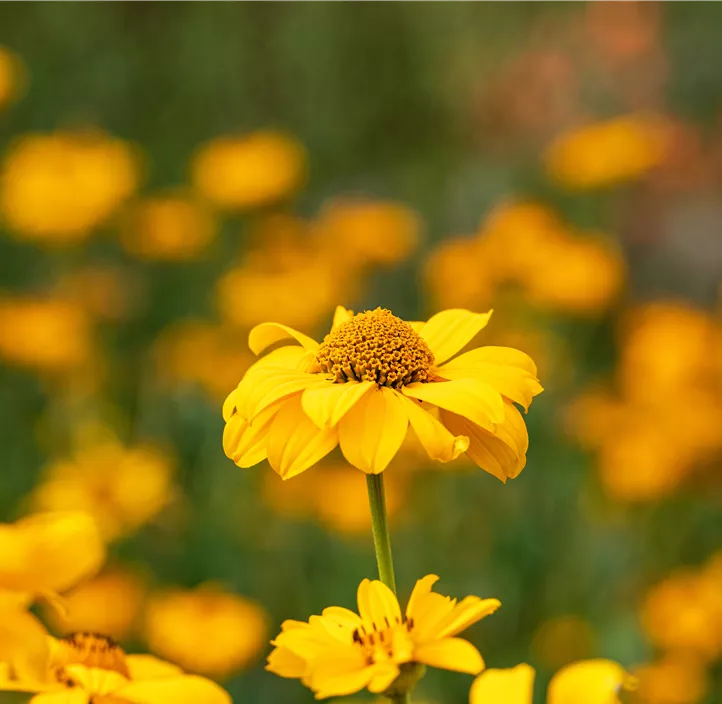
{"x": 454, "y": 654}
{"x": 466, "y": 613}
{"x": 95, "y": 679}
{"x": 343, "y": 616}
{"x": 285, "y": 663}
{"x": 285, "y": 387}
{"x": 514, "y": 381}
{"x": 595, "y": 681}
{"x": 449, "y": 331}
{"x": 422, "y": 586}
{"x": 148, "y": 667}
{"x": 430, "y": 611}
{"x": 384, "y": 676}
{"x": 186, "y": 689}
{"x": 266, "y": 334}
{"x": 487, "y": 451}
{"x": 24, "y": 644}
{"x": 340, "y": 316}
{"x": 377, "y": 604}
{"x": 438, "y": 442}
{"x": 337, "y": 680}
{"x": 326, "y": 405}
{"x": 49, "y": 552}
{"x": 371, "y": 433}
{"x": 511, "y": 686}
{"x": 294, "y": 443}
{"x": 229, "y": 405}
{"x": 74, "y": 695}
{"x": 472, "y": 398}
{"x": 246, "y": 443}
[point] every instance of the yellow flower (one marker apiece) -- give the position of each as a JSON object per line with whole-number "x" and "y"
{"x": 171, "y": 227}
{"x": 372, "y": 377}
{"x": 589, "y": 681}
{"x": 109, "y": 603}
{"x": 340, "y": 652}
{"x": 13, "y": 77}
{"x": 251, "y": 171}
{"x": 121, "y": 487}
{"x": 47, "y": 334}
{"x": 608, "y": 152}
{"x": 42, "y": 555}
{"x": 57, "y": 188}
{"x": 87, "y": 668}
{"x": 206, "y": 630}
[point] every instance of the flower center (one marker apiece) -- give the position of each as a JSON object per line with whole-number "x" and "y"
{"x": 376, "y": 346}
{"x": 91, "y": 650}
{"x": 385, "y": 641}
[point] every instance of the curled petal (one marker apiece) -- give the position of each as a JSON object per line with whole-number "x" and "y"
{"x": 264, "y": 335}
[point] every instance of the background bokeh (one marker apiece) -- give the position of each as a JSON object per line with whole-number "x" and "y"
{"x": 172, "y": 175}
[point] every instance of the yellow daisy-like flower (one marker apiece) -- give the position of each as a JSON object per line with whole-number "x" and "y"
{"x": 371, "y": 377}
{"x": 589, "y": 681}
{"x": 341, "y": 652}
{"x": 87, "y": 668}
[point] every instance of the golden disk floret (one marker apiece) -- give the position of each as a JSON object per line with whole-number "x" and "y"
{"x": 376, "y": 346}
{"x": 91, "y": 650}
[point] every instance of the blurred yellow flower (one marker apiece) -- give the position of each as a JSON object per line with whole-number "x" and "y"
{"x": 677, "y": 678}
{"x": 369, "y": 232}
{"x": 201, "y": 352}
{"x": 562, "y": 640}
{"x": 171, "y": 227}
{"x": 109, "y": 603}
{"x": 587, "y": 681}
{"x": 121, "y": 487}
{"x": 372, "y": 377}
{"x": 249, "y": 171}
{"x": 13, "y": 77}
{"x": 335, "y": 496}
{"x": 42, "y": 554}
{"x": 48, "y": 334}
{"x": 105, "y": 292}
{"x": 341, "y": 653}
{"x": 57, "y": 188}
{"x": 684, "y": 612}
{"x": 206, "y": 630}
{"x": 607, "y": 153}
{"x": 88, "y": 668}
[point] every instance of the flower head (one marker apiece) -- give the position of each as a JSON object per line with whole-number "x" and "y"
{"x": 371, "y": 377}
{"x": 88, "y": 668}
{"x": 341, "y": 652}
{"x": 589, "y": 681}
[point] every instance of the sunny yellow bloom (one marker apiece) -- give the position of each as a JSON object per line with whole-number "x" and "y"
{"x": 373, "y": 376}
{"x": 207, "y": 630}
{"x": 249, "y": 171}
{"x": 87, "y": 668}
{"x": 170, "y": 227}
{"x": 588, "y": 681}
{"x": 109, "y": 603}
{"x": 42, "y": 555}
{"x": 341, "y": 652}
{"x": 47, "y": 334}
{"x": 57, "y": 188}
{"x": 13, "y": 77}
{"x": 121, "y": 487}
{"x": 610, "y": 152}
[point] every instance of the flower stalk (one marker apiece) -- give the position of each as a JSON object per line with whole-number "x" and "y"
{"x": 380, "y": 529}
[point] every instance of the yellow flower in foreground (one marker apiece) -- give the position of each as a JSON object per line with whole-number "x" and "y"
{"x": 121, "y": 487}
{"x": 372, "y": 377}
{"x": 56, "y": 188}
{"x": 206, "y": 630}
{"x": 89, "y": 668}
{"x": 250, "y": 171}
{"x": 589, "y": 681}
{"x": 340, "y": 652}
{"x": 608, "y": 152}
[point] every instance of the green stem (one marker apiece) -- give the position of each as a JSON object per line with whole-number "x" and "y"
{"x": 382, "y": 539}
{"x": 401, "y": 698}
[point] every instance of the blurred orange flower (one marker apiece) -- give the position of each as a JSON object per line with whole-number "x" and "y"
{"x": 607, "y": 153}
{"x": 57, "y": 188}
{"x": 676, "y": 678}
{"x": 249, "y": 171}
{"x": 48, "y": 334}
{"x": 206, "y": 630}
{"x": 121, "y": 487}
{"x": 562, "y": 640}
{"x": 110, "y": 603}
{"x": 170, "y": 227}
{"x": 13, "y": 77}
